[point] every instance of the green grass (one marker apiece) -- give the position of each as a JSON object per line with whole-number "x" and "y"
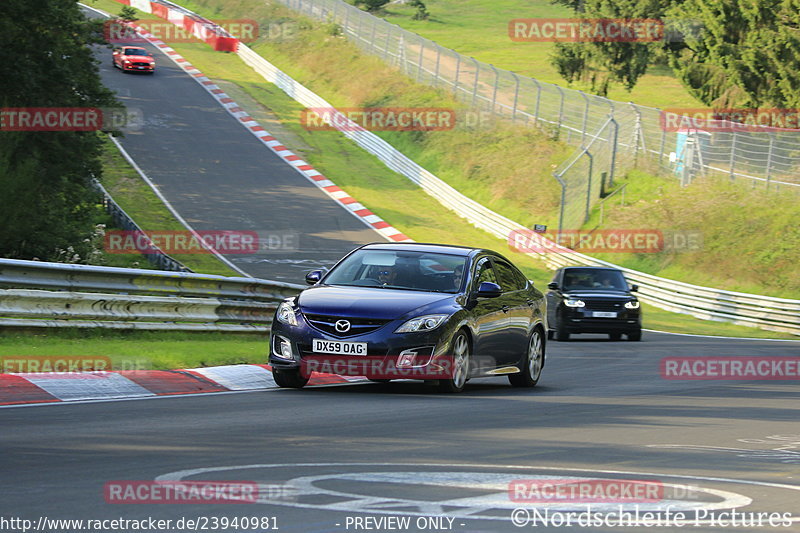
{"x": 139, "y": 350}
{"x": 479, "y": 28}
{"x": 134, "y": 196}
{"x": 325, "y": 64}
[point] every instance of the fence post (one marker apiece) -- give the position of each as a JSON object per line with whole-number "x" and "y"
{"x": 496, "y": 83}
{"x": 769, "y": 158}
{"x": 388, "y": 39}
{"x": 560, "y": 110}
{"x": 613, "y": 166}
{"x": 516, "y": 97}
{"x": 588, "y": 186}
{"x": 438, "y": 58}
{"x": 733, "y": 155}
{"x": 585, "y": 116}
{"x": 346, "y": 20}
{"x": 419, "y": 63}
{"x": 538, "y": 101}
{"x": 477, "y": 76}
{"x": 637, "y": 133}
{"x": 458, "y": 72}
{"x": 372, "y": 37}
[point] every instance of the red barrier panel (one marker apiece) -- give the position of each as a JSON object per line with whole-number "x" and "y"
{"x": 159, "y": 10}
{"x": 226, "y": 44}
{"x": 219, "y": 43}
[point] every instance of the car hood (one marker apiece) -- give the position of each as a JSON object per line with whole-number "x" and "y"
{"x": 608, "y": 295}
{"x": 140, "y": 58}
{"x": 366, "y": 302}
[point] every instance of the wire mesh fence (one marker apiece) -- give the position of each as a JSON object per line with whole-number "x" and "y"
{"x": 612, "y": 136}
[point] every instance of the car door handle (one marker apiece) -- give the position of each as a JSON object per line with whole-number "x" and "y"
{"x": 505, "y": 308}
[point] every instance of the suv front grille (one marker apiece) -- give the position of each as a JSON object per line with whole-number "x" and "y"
{"x": 604, "y": 305}
{"x": 358, "y": 326}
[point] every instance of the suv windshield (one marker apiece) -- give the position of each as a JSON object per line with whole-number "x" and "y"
{"x": 420, "y": 271}
{"x": 592, "y": 279}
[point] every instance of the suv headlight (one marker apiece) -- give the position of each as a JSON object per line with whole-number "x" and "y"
{"x": 286, "y": 313}
{"x": 422, "y": 323}
{"x": 572, "y": 302}
{"x": 634, "y": 304}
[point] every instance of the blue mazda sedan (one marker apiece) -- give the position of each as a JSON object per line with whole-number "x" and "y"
{"x": 413, "y": 311}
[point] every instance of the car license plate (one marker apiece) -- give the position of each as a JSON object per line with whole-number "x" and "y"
{"x": 604, "y": 314}
{"x": 339, "y": 347}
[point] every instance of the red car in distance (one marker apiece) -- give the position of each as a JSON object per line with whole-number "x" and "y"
{"x": 133, "y": 59}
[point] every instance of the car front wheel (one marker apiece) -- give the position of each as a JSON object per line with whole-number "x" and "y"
{"x": 635, "y": 335}
{"x": 460, "y": 364}
{"x": 532, "y": 364}
{"x": 289, "y": 379}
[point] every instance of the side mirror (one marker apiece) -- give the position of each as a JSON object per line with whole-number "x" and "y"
{"x": 488, "y": 289}
{"x": 634, "y": 288}
{"x": 553, "y": 286}
{"x": 313, "y": 277}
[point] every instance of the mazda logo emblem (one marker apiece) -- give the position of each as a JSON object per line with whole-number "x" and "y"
{"x": 342, "y": 326}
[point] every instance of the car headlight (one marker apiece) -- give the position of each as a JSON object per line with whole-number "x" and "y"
{"x": 632, "y": 304}
{"x": 572, "y": 302}
{"x": 286, "y": 313}
{"x": 422, "y": 323}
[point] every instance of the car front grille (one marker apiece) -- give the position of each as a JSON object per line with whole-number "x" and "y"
{"x": 358, "y": 326}
{"x": 604, "y": 305}
{"x": 141, "y": 64}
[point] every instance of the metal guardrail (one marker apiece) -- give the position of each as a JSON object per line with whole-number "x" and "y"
{"x": 38, "y": 294}
{"x": 158, "y": 257}
{"x": 702, "y": 302}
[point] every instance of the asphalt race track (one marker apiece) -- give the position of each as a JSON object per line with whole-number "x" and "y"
{"x": 323, "y": 456}
{"x": 369, "y": 457}
{"x": 220, "y": 177}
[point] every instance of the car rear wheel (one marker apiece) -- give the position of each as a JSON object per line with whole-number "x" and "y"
{"x": 460, "y": 364}
{"x": 289, "y": 379}
{"x": 532, "y": 364}
{"x": 615, "y": 336}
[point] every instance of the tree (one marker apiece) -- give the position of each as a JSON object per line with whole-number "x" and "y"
{"x": 128, "y": 14}
{"x": 372, "y": 5}
{"x": 45, "y": 177}
{"x": 728, "y": 53}
{"x": 748, "y": 54}
{"x": 422, "y": 10}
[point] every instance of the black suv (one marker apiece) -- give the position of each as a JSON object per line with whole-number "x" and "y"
{"x": 592, "y": 300}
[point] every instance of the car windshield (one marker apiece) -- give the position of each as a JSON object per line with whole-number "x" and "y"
{"x": 136, "y": 52}
{"x": 591, "y": 279}
{"x": 409, "y": 270}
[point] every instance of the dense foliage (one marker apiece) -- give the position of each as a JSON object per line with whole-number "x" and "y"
{"x": 45, "y": 193}
{"x": 728, "y": 53}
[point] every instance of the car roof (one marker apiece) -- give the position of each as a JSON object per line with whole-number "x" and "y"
{"x": 590, "y": 268}
{"x": 426, "y": 247}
